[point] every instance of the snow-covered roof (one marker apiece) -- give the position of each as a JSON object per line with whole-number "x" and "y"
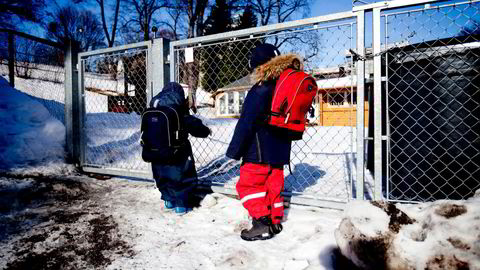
{"x": 244, "y": 83}
{"x": 337, "y": 83}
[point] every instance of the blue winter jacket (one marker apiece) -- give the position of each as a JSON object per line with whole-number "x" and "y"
{"x": 253, "y": 140}
{"x": 173, "y": 95}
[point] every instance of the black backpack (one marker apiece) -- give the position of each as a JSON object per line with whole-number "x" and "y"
{"x": 163, "y": 139}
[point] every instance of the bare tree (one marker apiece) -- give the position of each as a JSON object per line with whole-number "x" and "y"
{"x": 139, "y": 15}
{"x": 82, "y": 27}
{"x": 110, "y": 40}
{"x": 175, "y": 22}
{"x": 194, "y": 11}
{"x": 276, "y": 11}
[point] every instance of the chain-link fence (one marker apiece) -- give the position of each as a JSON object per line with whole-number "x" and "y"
{"x": 433, "y": 101}
{"x": 114, "y": 83}
{"x": 215, "y": 70}
{"x": 35, "y": 67}
{"x": 415, "y": 92}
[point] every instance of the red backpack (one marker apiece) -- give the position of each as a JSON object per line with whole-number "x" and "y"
{"x": 293, "y": 96}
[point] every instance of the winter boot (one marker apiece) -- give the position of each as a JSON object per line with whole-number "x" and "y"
{"x": 276, "y": 228}
{"x": 260, "y": 230}
{"x": 169, "y": 205}
{"x": 182, "y": 210}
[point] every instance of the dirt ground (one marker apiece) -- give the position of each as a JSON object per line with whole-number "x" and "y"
{"x": 57, "y": 223}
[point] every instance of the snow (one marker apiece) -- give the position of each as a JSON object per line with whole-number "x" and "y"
{"x": 29, "y": 134}
{"x": 32, "y": 143}
{"x": 356, "y": 213}
{"x": 443, "y": 233}
{"x": 208, "y": 237}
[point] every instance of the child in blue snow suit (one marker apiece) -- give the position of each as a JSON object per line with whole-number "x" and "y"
{"x": 177, "y": 178}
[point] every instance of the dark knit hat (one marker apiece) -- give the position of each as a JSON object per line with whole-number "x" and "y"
{"x": 261, "y": 54}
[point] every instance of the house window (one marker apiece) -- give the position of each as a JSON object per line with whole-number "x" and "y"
{"x": 241, "y": 99}
{"x": 231, "y": 103}
{"x": 223, "y": 104}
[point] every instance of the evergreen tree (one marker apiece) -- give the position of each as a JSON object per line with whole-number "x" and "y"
{"x": 228, "y": 62}
{"x": 220, "y": 19}
{"x": 213, "y": 58}
{"x": 247, "y": 19}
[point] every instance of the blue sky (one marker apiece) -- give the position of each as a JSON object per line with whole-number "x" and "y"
{"x": 323, "y": 7}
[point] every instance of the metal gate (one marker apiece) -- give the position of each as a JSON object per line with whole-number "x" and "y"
{"x": 408, "y": 102}
{"x": 432, "y": 104}
{"x": 214, "y": 70}
{"x": 115, "y": 89}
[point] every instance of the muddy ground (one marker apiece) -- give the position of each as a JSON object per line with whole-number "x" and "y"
{"x": 57, "y": 223}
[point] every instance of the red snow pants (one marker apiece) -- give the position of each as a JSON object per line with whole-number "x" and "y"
{"x": 260, "y": 187}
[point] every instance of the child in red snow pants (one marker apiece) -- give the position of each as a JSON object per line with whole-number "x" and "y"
{"x": 260, "y": 187}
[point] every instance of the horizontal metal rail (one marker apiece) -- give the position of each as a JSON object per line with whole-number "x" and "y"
{"x": 431, "y": 7}
{"x": 34, "y": 38}
{"x": 266, "y": 28}
{"x": 118, "y": 172}
{"x": 145, "y": 44}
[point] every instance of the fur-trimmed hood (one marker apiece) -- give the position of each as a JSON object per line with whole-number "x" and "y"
{"x": 275, "y": 66}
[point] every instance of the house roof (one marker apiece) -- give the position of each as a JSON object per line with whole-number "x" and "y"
{"x": 244, "y": 83}
{"x": 336, "y": 83}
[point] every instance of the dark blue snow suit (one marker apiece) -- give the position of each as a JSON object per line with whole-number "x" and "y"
{"x": 176, "y": 181}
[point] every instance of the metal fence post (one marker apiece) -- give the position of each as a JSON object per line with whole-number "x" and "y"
{"x": 171, "y": 56}
{"x": 359, "y": 183}
{"x": 377, "y": 102}
{"x": 71, "y": 104}
{"x": 160, "y": 70}
{"x": 11, "y": 59}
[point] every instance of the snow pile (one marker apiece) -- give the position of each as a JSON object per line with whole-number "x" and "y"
{"x": 29, "y": 135}
{"x": 444, "y": 234}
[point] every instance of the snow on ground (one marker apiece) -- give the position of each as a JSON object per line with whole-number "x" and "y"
{"x": 444, "y": 234}
{"x": 29, "y": 134}
{"x": 131, "y": 214}
{"x": 119, "y": 224}
{"x": 208, "y": 237}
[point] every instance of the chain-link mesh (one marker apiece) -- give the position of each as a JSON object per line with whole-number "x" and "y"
{"x": 39, "y": 72}
{"x": 115, "y": 88}
{"x": 217, "y": 72}
{"x": 433, "y": 102}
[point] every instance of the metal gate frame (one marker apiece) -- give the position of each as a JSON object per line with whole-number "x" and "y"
{"x": 160, "y": 53}
{"x": 157, "y": 76}
{"x": 358, "y": 182}
{"x": 381, "y": 141}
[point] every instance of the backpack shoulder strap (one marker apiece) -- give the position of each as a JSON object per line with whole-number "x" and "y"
{"x": 279, "y": 85}
{"x": 296, "y": 91}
